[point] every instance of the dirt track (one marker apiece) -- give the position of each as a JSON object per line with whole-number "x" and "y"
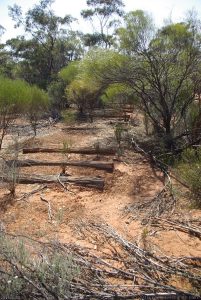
{"x": 133, "y": 180}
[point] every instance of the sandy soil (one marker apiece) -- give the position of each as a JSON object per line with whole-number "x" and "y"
{"x": 132, "y": 180}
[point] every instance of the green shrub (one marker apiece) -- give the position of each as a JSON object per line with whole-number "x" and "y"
{"x": 36, "y": 105}
{"x": 69, "y": 116}
{"x": 189, "y": 168}
{"x": 29, "y": 269}
{"x": 13, "y": 96}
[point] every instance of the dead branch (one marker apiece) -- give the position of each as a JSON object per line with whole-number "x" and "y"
{"x": 49, "y": 207}
{"x": 137, "y": 274}
{"x": 27, "y": 195}
{"x": 178, "y": 225}
{"x": 163, "y": 203}
{"x": 64, "y": 187}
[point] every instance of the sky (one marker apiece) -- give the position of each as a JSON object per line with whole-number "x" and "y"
{"x": 159, "y": 9}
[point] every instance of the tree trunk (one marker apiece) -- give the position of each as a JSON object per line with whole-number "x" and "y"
{"x": 168, "y": 139}
{"x": 94, "y": 182}
{"x": 103, "y": 151}
{"x": 100, "y": 165}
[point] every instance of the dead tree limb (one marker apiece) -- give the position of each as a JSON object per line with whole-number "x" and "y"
{"x": 49, "y": 208}
{"x": 27, "y": 195}
{"x": 178, "y": 225}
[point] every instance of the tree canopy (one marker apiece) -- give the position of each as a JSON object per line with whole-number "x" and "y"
{"x": 51, "y": 44}
{"x": 101, "y": 14}
{"x": 158, "y": 67}
{"x": 162, "y": 68}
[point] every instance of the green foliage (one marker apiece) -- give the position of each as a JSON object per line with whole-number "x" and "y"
{"x": 162, "y": 75}
{"x": 2, "y": 30}
{"x": 137, "y": 33}
{"x": 51, "y": 46}
{"x": 118, "y": 133}
{"x": 189, "y": 168}
{"x": 69, "y": 116}
{"x": 87, "y": 87}
{"x": 98, "y": 63}
{"x": 193, "y": 120}
{"x": 177, "y": 35}
{"x": 96, "y": 39}
{"x": 38, "y": 100}
{"x": 118, "y": 93}
{"x": 7, "y": 64}
{"x": 66, "y": 146}
{"x": 103, "y": 11}
{"x": 13, "y": 97}
{"x": 56, "y": 93}
{"x": 68, "y": 74}
{"x": 13, "y": 94}
{"x": 36, "y": 105}
{"x": 18, "y": 97}
{"x": 84, "y": 94}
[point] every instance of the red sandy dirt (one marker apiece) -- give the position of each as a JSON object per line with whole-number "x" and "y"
{"x": 133, "y": 179}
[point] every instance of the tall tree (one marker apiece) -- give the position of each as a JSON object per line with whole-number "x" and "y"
{"x": 6, "y": 60}
{"x": 163, "y": 69}
{"x": 103, "y": 13}
{"x": 50, "y": 46}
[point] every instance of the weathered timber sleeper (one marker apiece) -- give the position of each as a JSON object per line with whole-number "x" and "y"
{"x": 94, "y": 182}
{"x": 103, "y": 151}
{"x": 100, "y": 165}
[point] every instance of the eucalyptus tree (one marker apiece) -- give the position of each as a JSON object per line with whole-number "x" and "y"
{"x": 6, "y": 61}
{"x": 162, "y": 67}
{"x": 51, "y": 43}
{"x": 101, "y": 14}
{"x": 164, "y": 72}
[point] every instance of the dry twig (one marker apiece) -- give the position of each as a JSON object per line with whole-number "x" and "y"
{"x": 49, "y": 208}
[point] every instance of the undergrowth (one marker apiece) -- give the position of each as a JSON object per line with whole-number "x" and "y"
{"x": 29, "y": 272}
{"x": 189, "y": 168}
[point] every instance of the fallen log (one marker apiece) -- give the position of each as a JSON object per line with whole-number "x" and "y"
{"x": 94, "y": 182}
{"x": 103, "y": 151}
{"x": 79, "y": 128}
{"x": 100, "y": 165}
{"x": 122, "y": 116}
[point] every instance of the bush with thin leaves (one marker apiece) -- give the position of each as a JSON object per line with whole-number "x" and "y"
{"x": 13, "y": 96}
{"x": 36, "y": 105}
{"x": 189, "y": 168}
{"x": 30, "y": 271}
